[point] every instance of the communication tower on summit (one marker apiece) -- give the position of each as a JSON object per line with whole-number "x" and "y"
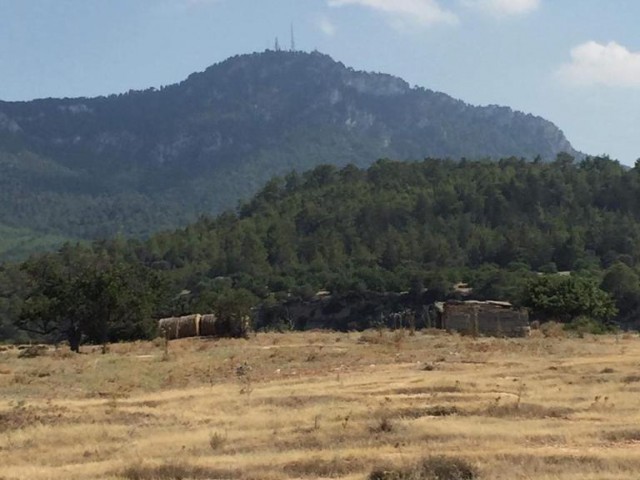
{"x": 293, "y": 40}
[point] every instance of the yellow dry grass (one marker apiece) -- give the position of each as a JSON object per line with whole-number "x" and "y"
{"x": 324, "y": 405}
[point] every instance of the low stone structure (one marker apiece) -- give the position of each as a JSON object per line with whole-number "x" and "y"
{"x": 359, "y": 311}
{"x": 492, "y": 318}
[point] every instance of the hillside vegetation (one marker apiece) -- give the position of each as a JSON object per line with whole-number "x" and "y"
{"x": 18, "y": 243}
{"x": 145, "y": 161}
{"x": 397, "y": 226}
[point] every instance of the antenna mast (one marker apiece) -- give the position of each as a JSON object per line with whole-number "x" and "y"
{"x": 277, "y": 45}
{"x": 293, "y": 39}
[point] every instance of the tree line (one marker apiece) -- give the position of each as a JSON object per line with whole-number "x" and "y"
{"x": 512, "y": 229}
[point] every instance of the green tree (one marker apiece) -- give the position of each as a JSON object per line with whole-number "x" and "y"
{"x": 564, "y": 298}
{"x": 233, "y": 310}
{"x": 623, "y": 284}
{"x": 72, "y": 295}
{"x": 51, "y": 308}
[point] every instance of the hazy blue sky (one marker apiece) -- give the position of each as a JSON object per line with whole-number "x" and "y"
{"x": 575, "y": 62}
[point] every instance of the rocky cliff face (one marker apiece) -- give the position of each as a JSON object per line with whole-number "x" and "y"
{"x": 201, "y": 145}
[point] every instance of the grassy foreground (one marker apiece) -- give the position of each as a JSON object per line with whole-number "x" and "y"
{"x": 324, "y": 405}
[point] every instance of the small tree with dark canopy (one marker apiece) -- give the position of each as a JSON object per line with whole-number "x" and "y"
{"x": 83, "y": 294}
{"x": 564, "y": 298}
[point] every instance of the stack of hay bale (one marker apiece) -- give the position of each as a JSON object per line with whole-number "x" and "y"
{"x": 208, "y": 325}
{"x": 180, "y": 327}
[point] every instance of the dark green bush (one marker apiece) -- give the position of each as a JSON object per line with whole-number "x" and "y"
{"x": 582, "y": 325}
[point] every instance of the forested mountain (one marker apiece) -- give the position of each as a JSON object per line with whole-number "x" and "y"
{"x": 143, "y": 161}
{"x": 396, "y": 226}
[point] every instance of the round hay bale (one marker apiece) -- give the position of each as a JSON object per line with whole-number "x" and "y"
{"x": 208, "y": 325}
{"x": 168, "y": 327}
{"x": 187, "y": 326}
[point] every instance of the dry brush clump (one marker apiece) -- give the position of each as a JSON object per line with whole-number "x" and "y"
{"x": 431, "y": 468}
{"x": 217, "y": 440}
{"x": 524, "y": 410}
{"x": 22, "y": 415}
{"x": 32, "y": 351}
{"x": 383, "y": 424}
{"x": 316, "y": 467}
{"x": 633, "y": 378}
{"x": 176, "y": 470}
{"x": 553, "y": 330}
{"x": 623, "y": 436}
{"x": 570, "y": 465}
{"x": 428, "y": 411}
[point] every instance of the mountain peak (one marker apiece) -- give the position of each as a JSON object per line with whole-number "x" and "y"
{"x": 158, "y": 158}
{"x": 305, "y": 69}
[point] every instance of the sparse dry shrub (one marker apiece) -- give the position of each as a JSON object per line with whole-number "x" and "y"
{"x": 299, "y": 401}
{"x": 431, "y": 468}
{"x": 435, "y": 332}
{"x": 399, "y": 337}
{"x": 546, "y": 439}
{"x": 433, "y": 411}
{"x": 524, "y": 410}
{"x": 217, "y": 440}
{"x": 22, "y": 415}
{"x": 553, "y": 330}
{"x": 557, "y": 465}
{"x": 387, "y": 474}
{"x": 374, "y": 338}
{"x": 536, "y": 334}
{"x": 41, "y": 372}
{"x": 16, "y": 418}
{"x": 33, "y": 351}
{"x": 447, "y": 468}
{"x": 631, "y": 378}
{"x": 62, "y": 353}
{"x": 484, "y": 346}
{"x": 316, "y": 467}
{"x": 243, "y": 373}
{"x": 20, "y": 378}
{"x": 176, "y": 470}
{"x": 600, "y": 403}
{"x": 455, "y": 388}
{"x": 111, "y": 404}
{"x": 306, "y": 438}
{"x": 441, "y": 410}
{"x": 382, "y": 425}
{"x": 623, "y": 436}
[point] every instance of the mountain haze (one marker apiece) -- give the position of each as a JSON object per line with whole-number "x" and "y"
{"x": 146, "y": 160}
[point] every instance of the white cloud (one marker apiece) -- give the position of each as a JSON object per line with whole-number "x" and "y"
{"x": 611, "y": 65}
{"x": 326, "y": 26}
{"x": 422, "y": 12}
{"x": 504, "y": 8}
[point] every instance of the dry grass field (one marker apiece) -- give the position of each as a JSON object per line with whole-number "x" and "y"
{"x": 325, "y": 405}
